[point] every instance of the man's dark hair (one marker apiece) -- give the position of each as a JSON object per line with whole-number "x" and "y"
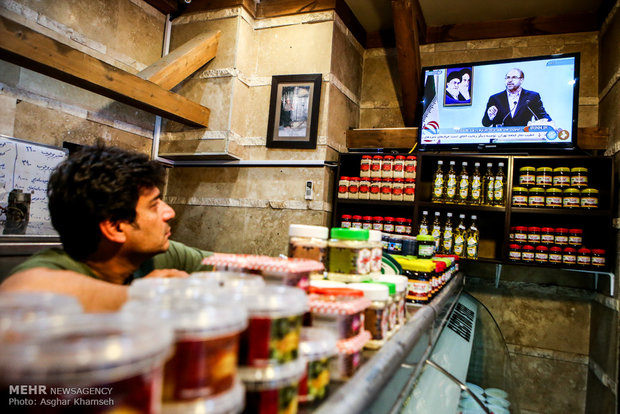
{"x": 95, "y": 184}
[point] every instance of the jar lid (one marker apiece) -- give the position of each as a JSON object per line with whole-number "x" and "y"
{"x": 576, "y": 231}
{"x": 589, "y": 191}
{"x": 376, "y": 179}
{"x": 554, "y": 190}
{"x": 400, "y": 157}
{"x": 543, "y": 169}
{"x": 366, "y": 157}
{"x": 346, "y": 216}
{"x": 569, "y": 250}
{"x": 528, "y": 247}
{"x": 547, "y": 230}
{"x": 571, "y": 191}
{"x": 425, "y": 238}
{"x": 171, "y": 288}
{"x": 527, "y": 168}
{"x": 561, "y": 230}
{"x": 561, "y": 169}
{"x": 373, "y": 291}
{"x": 391, "y": 286}
{"x": 522, "y": 189}
{"x": 533, "y": 228}
{"x": 275, "y": 301}
{"x": 411, "y": 157}
{"x": 520, "y": 228}
{"x": 357, "y": 217}
{"x": 542, "y": 248}
{"x": 354, "y": 178}
{"x": 555, "y": 249}
{"x": 374, "y": 235}
{"x": 514, "y": 246}
{"x": 349, "y": 234}
{"x": 387, "y": 180}
{"x": 388, "y": 218}
{"x": 399, "y": 180}
{"x": 401, "y": 282}
{"x": 304, "y": 230}
{"x": 598, "y": 251}
{"x": 344, "y": 177}
{"x": 401, "y": 219}
{"x": 388, "y": 157}
{"x": 272, "y": 376}
{"x": 368, "y": 218}
{"x": 377, "y": 157}
{"x": 327, "y": 284}
{"x": 584, "y": 250}
{"x": 579, "y": 169}
{"x": 537, "y": 190}
{"x": 410, "y": 180}
{"x": 317, "y": 343}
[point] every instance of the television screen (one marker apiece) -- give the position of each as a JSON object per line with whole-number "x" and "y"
{"x": 525, "y": 103}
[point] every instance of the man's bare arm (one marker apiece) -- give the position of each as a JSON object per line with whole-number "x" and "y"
{"x": 94, "y": 295}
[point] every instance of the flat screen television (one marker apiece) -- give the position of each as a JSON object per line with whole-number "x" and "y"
{"x": 504, "y": 105}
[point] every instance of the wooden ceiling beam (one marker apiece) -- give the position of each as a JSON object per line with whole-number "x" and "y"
{"x": 408, "y": 53}
{"x": 25, "y": 47}
{"x": 164, "y": 6}
{"x": 186, "y": 59}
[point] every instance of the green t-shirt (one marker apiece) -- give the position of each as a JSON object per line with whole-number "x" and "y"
{"x": 178, "y": 256}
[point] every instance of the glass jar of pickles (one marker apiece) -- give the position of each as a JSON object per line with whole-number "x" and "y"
{"x": 561, "y": 177}
{"x": 589, "y": 198}
{"x": 571, "y": 198}
{"x": 544, "y": 177}
{"x": 553, "y": 197}
{"x": 527, "y": 176}
{"x": 579, "y": 177}
{"x": 519, "y": 197}
{"x": 536, "y": 197}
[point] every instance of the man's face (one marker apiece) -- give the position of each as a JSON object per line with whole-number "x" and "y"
{"x": 453, "y": 86}
{"x": 465, "y": 81}
{"x": 149, "y": 233}
{"x": 513, "y": 80}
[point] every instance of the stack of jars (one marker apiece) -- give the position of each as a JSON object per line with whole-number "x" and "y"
{"x": 560, "y": 187}
{"x": 427, "y": 277}
{"x": 548, "y": 245}
{"x": 390, "y": 225}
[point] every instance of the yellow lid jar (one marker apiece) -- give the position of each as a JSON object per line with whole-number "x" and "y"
{"x": 519, "y": 197}
{"x": 544, "y": 177}
{"x": 571, "y": 198}
{"x": 561, "y": 177}
{"x": 553, "y": 197}
{"x": 579, "y": 177}
{"x": 527, "y": 176}
{"x": 589, "y": 198}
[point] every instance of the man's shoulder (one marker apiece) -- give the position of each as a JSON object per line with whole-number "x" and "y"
{"x": 52, "y": 258}
{"x": 528, "y": 93}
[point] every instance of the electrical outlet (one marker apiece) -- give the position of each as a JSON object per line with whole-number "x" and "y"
{"x": 308, "y": 195}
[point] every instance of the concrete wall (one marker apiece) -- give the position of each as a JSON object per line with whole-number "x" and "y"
{"x": 248, "y": 209}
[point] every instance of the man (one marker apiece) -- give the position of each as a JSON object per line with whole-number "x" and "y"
{"x": 453, "y": 95}
{"x": 106, "y": 205}
{"x": 464, "y": 86}
{"x": 515, "y": 106}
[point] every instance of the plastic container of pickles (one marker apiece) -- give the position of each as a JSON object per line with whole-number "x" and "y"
{"x": 349, "y": 356}
{"x": 340, "y": 310}
{"x": 317, "y": 346}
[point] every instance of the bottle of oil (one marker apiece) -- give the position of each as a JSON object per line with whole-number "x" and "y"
{"x": 475, "y": 195}
{"x": 436, "y": 230}
{"x": 460, "y": 231}
{"x": 488, "y": 186}
{"x": 500, "y": 183}
{"x": 473, "y": 239}
{"x": 447, "y": 239}
{"x": 450, "y": 190}
{"x": 424, "y": 224}
{"x": 462, "y": 196}
{"x": 438, "y": 182}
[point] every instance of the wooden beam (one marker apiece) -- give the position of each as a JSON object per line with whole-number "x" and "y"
{"x": 382, "y": 138}
{"x": 164, "y": 6}
{"x": 569, "y": 23}
{"x": 186, "y": 59}
{"x": 204, "y": 5}
{"x": 273, "y": 8}
{"x": 25, "y": 47}
{"x": 350, "y": 21}
{"x": 408, "y": 52}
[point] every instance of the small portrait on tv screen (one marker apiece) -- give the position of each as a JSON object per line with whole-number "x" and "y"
{"x": 459, "y": 83}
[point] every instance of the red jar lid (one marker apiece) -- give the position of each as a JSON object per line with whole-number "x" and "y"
{"x": 377, "y": 218}
{"x": 346, "y": 216}
{"x": 528, "y": 247}
{"x": 584, "y": 250}
{"x": 514, "y": 246}
{"x": 440, "y": 266}
{"x": 400, "y": 220}
{"x": 388, "y": 157}
{"x": 520, "y": 228}
{"x": 378, "y": 179}
{"x": 409, "y": 220}
{"x": 387, "y": 180}
{"x": 542, "y": 249}
{"x": 598, "y": 251}
{"x": 561, "y": 230}
{"x": 377, "y": 157}
{"x": 400, "y": 157}
{"x": 367, "y": 218}
{"x": 388, "y": 219}
{"x": 411, "y": 157}
{"x": 354, "y": 179}
{"x": 399, "y": 180}
{"x": 366, "y": 157}
{"x": 344, "y": 178}
{"x": 555, "y": 249}
{"x": 569, "y": 250}
{"x": 576, "y": 231}
{"x": 356, "y": 217}
{"x": 548, "y": 230}
{"x": 534, "y": 229}
{"x": 410, "y": 180}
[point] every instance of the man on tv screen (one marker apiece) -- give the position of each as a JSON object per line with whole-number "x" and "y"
{"x": 515, "y": 106}
{"x": 453, "y": 95}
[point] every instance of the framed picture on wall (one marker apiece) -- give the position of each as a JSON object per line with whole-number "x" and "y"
{"x": 294, "y": 111}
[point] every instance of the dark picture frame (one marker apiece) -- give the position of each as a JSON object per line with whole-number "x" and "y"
{"x": 294, "y": 111}
{"x": 462, "y": 98}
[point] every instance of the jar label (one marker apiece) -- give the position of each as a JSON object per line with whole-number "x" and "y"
{"x": 547, "y": 238}
{"x": 397, "y": 190}
{"x": 388, "y": 228}
{"x": 365, "y": 166}
{"x": 375, "y": 166}
{"x": 555, "y": 258}
{"x": 527, "y": 179}
{"x": 519, "y": 200}
{"x": 533, "y": 238}
{"x": 345, "y": 224}
{"x": 520, "y": 237}
{"x": 536, "y": 201}
{"x": 583, "y": 260}
{"x": 377, "y": 226}
{"x": 353, "y": 188}
{"x": 425, "y": 250}
{"x": 544, "y": 180}
{"x": 542, "y": 257}
{"x": 579, "y": 181}
{"x": 364, "y": 189}
{"x": 514, "y": 255}
{"x": 561, "y": 239}
{"x": 418, "y": 289}
{"x": 554, "y": 201}
{"x": 375, "y": 189}
{"x": 527, "y": 256}
{"x": 589, "y": 202}
{"x": 399, "y": 228}
{"x": 569, "y": 259}
{"x": 575, "y": 240}
{"x": 598, "y": 261}
{"x": 571, "y": 201}
{"x": 561, "y": 181}
{"x": 343, "y": 189}
{"x": 410, "y": 190}
{"x": 398, "y": 167}
{"x": 366, "y": 226}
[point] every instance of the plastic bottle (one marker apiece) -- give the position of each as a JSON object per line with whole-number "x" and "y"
{"x": 488, "y": 186}
{"x": 459, "y": 237}
{"x": 475, "y": 195}
{"x": 473, "y": 239}
{"x": 462, "y": 196}
{"x": 436, "y": 230}
{"x": 500, "y": 183}
{"x": 424, "y": 223}
{"x": 451, "y": 185}
{"x": 447, "y": 239}
{"x": 438, "y": 178}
